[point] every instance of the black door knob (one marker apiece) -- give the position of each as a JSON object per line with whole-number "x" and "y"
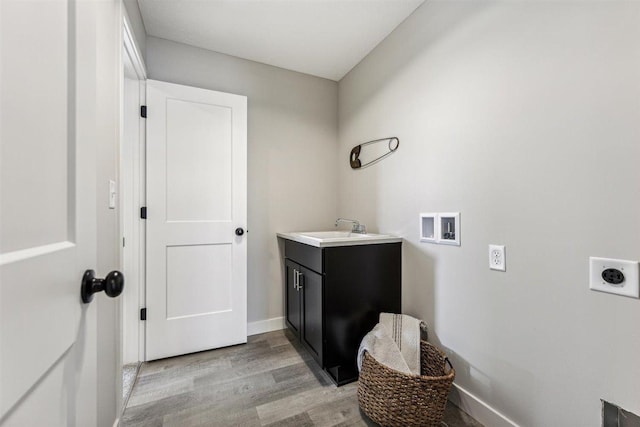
{"x": 112, "y": 285}
{"x": 239, "y": 231}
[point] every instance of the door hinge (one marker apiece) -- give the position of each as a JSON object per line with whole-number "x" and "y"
{"x": 143, "y": 111}
{"x": 143, "y": 313}
{"x": 143, "y": 212}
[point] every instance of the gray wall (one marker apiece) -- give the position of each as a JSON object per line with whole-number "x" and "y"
{"x": 292, "y": 144}
{"x": 523, "y": 116}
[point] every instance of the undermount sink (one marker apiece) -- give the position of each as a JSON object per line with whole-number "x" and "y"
{"x": 338, "y": 238}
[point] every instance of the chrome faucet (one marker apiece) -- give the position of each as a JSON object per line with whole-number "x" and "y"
{"x": 357, "y": 227}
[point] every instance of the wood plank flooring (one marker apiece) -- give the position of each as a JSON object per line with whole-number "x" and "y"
{"x": 270, "y": 381}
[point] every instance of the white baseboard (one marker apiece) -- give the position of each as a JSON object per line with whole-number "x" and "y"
{"x": 262, "y": 326}
{"x": 478, "y": 409}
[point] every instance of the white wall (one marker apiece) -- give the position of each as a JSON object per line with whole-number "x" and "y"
{"x": 523, "y": 116}
{"x": 292, "y": 143}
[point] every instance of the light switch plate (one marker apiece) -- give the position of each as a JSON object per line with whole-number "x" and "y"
{"x": 629, "y": 287}
{"x": 112, "y": 194}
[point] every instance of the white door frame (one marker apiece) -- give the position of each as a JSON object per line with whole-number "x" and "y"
{"x": 132, "y": 255}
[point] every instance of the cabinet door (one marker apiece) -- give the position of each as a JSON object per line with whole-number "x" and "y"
{"x": 293, "y": 314}
{"x": 312, "y": 327}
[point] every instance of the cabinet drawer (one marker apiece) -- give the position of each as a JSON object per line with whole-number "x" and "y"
{"x": 305, "y": 255}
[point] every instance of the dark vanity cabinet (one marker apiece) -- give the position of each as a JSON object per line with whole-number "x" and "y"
{"x": 334, "y": 296}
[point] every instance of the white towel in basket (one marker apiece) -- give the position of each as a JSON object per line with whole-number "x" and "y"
{"x": 383, "y": 348}
{"x": 405, "y": 331}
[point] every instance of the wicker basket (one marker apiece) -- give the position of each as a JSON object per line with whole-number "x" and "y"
{"x": 393, "y": 399}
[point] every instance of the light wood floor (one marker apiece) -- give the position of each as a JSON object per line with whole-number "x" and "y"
{"x": 270, "y": 381}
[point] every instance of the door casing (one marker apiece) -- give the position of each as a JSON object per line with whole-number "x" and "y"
{"x": 132, "y": 194}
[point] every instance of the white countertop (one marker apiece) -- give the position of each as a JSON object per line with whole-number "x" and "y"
{"x": 324, "y": 239}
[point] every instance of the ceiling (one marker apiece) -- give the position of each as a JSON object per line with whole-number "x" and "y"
{"x": 325, "y": 38}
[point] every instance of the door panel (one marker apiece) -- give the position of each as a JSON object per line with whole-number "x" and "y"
{"x": 35, "y": 158}
{"x": 196, "y": 198}
{"x": 199, "y": 180}
{"x": 197, "y": 279}
{"x": 311, "y": 283}
{"x": 47, "y": 185}
{"x": 293, "y": 297}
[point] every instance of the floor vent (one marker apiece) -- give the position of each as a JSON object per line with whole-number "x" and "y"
{"x": 615, "y": 416}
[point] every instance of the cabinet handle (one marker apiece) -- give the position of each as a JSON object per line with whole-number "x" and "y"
{"x": 296, "y": 278}
{"x": 299, "y": 276}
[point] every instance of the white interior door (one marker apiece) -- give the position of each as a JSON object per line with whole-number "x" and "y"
{"x": 47, "y": 208}
{"x": 196, "y": 199}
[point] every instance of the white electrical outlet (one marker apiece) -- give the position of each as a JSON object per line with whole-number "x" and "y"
{"x": 497, "y": 259}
